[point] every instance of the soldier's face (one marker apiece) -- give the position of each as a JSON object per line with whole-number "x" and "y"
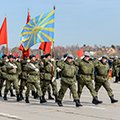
{"x": 49, "y": 57}
{"x": 11, "y": 59}
{"x": 104, "y": 60}
{"x": 33, "y": 59}
{"x": 69, "y": 60}
{"x": 5, "y": 58}
{"x": 87, "y": 58}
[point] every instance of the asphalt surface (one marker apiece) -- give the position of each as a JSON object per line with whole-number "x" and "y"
{"x": 12, "y": 110}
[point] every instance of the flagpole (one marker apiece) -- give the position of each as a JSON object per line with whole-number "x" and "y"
{"x": 7, "y": 39}
{"x": 52, "y": 51}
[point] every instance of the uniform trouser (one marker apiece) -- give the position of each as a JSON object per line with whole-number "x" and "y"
{"x": 49, "y": 87}
{"x": 63, "y": 89}
{"x": 89, "y": 85}
{"x": 106, "y": 85}
{"x": 8, "y": 86}
{"x": 23, "y": 83}
{"x": 1, "y": 83}
{"x": 46, "y": 84}
{"x": 30, "y": 87}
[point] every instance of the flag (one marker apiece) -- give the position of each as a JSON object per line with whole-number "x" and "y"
{"x": 3, "y": 33}
{"x": 80, "y": 52}
{"x": 25, "y": 53}
{"x": 46, "y": 47}
{"x": 38, "y": 29}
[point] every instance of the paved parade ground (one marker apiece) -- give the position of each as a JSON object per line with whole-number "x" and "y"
{"x": 13, "y": 110}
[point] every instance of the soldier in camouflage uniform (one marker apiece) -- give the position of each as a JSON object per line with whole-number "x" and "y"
{"x": 2, "y": 79}
{"x": 42, "y": 71}
{"x": 116, "y": 69}
{"x": 85, "y": 77}
{"x": 68, "y": 80}
{"x": 49, "y": 77}
{"x": 101, "y": 78}
{"x": 33, "y": 78}
{"x": 11, "y": 76}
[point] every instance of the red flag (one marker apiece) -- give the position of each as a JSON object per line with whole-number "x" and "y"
{"x": 46, "y": 47}
{"x": 80, "y": 52}
{"x": 28, "y": 16}
{"x": 3, "y": 33}
{"x": 25, "y": 53}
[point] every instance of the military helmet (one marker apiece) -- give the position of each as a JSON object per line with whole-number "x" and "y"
{"x": 48, "y": 54}
{"x": 87, "y": 54}
{"x": 104, "y": 57}
{"x": 4, "y": 55}
{"x": 42, "y": 56}
{"x": 10, "y": 56}
{"x": 31, "y": 56}
{"x": 70, "y": 56}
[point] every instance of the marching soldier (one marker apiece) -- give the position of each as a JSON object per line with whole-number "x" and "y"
{"x": 33, "y": 78}
{"x": 101, "y": 78}
{"x": 49, "y": 76}
{"x": 68, "y": 80}
{"x": 85, "y": 77}
{"x": 11, "y": 76}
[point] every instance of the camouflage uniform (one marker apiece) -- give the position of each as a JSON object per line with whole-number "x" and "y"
{"x": 85, "y": 77}
{"x": 10, "y": 74}
{"x": 48, "y": 75}
{"x": 42, "y": 71}
{"x": 68, "y": 80}
{"x": 101, "y": 78}
{"x": 33, "y": 79}
{"x": 116, "y": 70}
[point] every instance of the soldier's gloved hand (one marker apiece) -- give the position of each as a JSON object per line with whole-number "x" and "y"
{"x": 65, "y": 58}
{"x": 53, "y": 79}
{"x": 28, "y": 60}
{"x": 36, "y": 69}
{"x": 15, "y": 67}
{"x": 52, "y": 60}
{"x": 58, "y": 69}
{"x": 7, "y": 60}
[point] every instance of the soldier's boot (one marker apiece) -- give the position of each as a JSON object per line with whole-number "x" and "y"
{"x": 43, "y": 99}
{"x": 35, "y": 95}
{"x": 18, "y": 98}
{"x": 5, "y": 97}
{"x": 96, "y": 101}
{"x": 50, "y": 96}
{"x": 21, "y": 96}
{"x": 113, "y": 100}
{"x": 78, "y": 104}
{"x": 27, "y": 100}
{"x": 11, "y": 93}
{"x": 56, "y": 98}
{"x": 0, "y": 93}
{"x": 116, "y": 79}
{"x": 59, "y": 103}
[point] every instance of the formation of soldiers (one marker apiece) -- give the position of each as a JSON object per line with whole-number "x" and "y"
{"x": 40, "y": 76}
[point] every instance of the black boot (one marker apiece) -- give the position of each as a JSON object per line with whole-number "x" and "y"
{"x": 96, "y": 101}
{"x": 18, "y": 98}
{"x": 113, "y": 100}
{"x": 27, "y": 100}
{"x": 116, "y": 79}
{"x": 56, "y": 98}
{"x": 43, "y": 99}
{"x": 78, "y": 103}
{"x": 11, "y": 93}
{"x": 5, "y": 97}
{"x": 21, "y": 96}
{"x": 35, "y": 95}
{"x": 50, "y": 96}
{"x": 59, "y": 103}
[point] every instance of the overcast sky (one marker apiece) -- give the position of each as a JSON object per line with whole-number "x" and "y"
{"x": 76, "y": 21}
